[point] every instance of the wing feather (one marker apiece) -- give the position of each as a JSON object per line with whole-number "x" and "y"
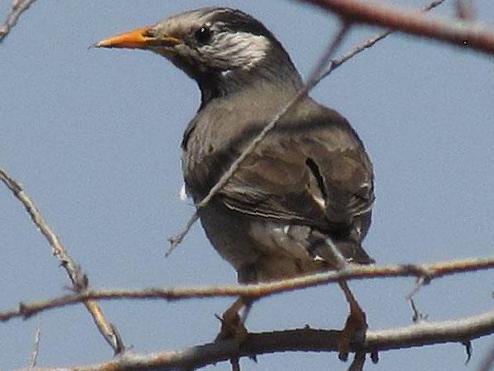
{"x": 314, "y": 171}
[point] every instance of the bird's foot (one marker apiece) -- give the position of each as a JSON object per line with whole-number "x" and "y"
{"x": 353, "y": 332}
{"x": 232, "y": 326}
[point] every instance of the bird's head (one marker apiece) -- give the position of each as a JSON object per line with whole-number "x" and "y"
{"x": 221, "y": 48}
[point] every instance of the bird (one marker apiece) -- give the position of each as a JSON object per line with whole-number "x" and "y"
{"x": 301, "y": 201}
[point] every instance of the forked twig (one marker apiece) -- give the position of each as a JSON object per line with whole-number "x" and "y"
{"x": 337, "y": 62}
{"x": 435, "y": 270}
{"x": 475, "y": 36}
{"x": 79, "y": 279}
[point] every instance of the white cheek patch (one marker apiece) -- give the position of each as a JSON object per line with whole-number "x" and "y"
{"x": 237, "y": 50}
{"x": 249, "y": 49}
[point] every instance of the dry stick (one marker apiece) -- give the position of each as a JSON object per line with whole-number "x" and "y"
{"x": 79, "y": 280}
{"x": 18, "y": 7}
{"x": 305, "y": 340}
{"x": 430, "y": 271}
{"x": 417, "y": 315}
{"x": 466, "y": 34}
{"x": 333, "y": 64}
{"x": 35, "y": 351}
{"x": 314, "y": 78}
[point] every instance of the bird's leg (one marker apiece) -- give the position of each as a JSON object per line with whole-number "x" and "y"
{"x": 355, "y": 326}
{"x": 232, "y": 324}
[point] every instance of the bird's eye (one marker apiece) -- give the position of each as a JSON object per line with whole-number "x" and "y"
{"x": 203, "y": 34}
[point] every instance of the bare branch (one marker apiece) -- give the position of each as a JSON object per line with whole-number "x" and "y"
{"x": 431, "y": 271}
{"x": 468, "y": 350}
{"x": 35, "y": 351}
{"x": 178, "y": 238}
{"x": 18, "y": 7}
{"x": 335, "y": 63}
{"x": 304, "y": 340}
{"x": 466, "y": 34}
{"x": 314, "y": 78}
{"x": 79, "y": 280}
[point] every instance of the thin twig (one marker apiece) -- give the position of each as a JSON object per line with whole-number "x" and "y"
{"x": 178, "y": 238}
{"x": 18, "y": 7}
{"x": 419, "y": 283}
{"x": 337, "y": 62}
{"x": 468, "y": 350}
{"x": 465, "y": 34}
{"x": 305, "y": 340}
{"x": 417, "y": 315}
{"x": 314, "y": 78}
{"x": 35, "y": 351}
{"x": 433, "y": 271}
{"x": 79, "y": 279}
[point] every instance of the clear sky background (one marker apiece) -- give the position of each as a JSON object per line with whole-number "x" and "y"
{"x": 94, "y": 137}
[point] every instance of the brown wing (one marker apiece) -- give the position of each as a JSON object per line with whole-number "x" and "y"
{"x": 312, "y": 171}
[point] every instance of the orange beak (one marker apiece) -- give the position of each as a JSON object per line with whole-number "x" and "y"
{"x": 140, "y": 38}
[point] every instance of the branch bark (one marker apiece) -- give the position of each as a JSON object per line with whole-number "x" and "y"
{"x": 359, "y": 48}
{"x": 304, "y": 340}
{"x": 18, "y": 7}
{"x": 80, "y": 282}
{"x": 424, "y": 273}
{"x": 455, "y": 32}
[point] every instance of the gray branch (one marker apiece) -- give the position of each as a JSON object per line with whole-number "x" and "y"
{"x": 300, "y": 340}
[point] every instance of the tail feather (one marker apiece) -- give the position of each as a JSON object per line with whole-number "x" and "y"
{"x": 332, "y": 251}
{"x": 353, "y": 252}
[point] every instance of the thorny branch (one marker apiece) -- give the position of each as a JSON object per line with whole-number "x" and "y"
{"x": 79, "y": 280}
{"x": 304, "y": 340}
{"x": 18, "y": 7}
{"x": 322, "y": 70}
{"x": 426, "y": 271}
{"x": 466, "y": 34}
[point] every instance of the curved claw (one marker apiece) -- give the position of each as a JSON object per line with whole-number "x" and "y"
{"x": 232, "y": 325}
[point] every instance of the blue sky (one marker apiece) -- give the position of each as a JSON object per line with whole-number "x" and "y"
{"x": 94, "y": 135}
